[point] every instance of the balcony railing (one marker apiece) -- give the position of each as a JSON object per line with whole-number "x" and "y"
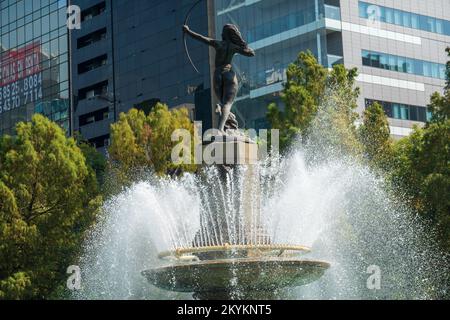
{"x": 332, "y": 12}
{"x": 277, "y": 74}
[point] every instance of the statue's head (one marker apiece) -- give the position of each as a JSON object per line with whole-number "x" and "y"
{"x": 231, "y": 33}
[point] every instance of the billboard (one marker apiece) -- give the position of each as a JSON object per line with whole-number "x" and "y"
{"x": 20, "y": 77}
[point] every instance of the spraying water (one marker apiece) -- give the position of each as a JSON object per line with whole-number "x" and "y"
{"x": 315, "y": 197}
{"x": 340, "y": 209}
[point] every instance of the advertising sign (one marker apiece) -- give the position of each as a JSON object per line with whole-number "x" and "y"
{"x": 20, "y": 77}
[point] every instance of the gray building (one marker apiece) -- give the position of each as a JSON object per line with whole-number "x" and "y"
{"x": 131, "y": 54}
{"x": 34, "y": 62}
{"x": 397, "y": 46}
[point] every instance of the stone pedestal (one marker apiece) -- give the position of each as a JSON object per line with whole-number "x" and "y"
{"x": 230, "y": 151}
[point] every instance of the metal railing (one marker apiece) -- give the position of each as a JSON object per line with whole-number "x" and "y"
{"x": 332, "y": 12}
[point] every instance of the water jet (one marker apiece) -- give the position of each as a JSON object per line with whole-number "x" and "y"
{"x": 337, "y": 208}
{"x": 245, "y": 265}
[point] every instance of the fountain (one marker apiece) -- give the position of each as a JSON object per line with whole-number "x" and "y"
{"x": 338, "y": 208}
{"x": 242, "y": 231}
{"x": 244, "y": 261}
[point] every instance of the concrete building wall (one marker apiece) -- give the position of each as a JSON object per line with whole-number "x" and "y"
{"x": 386, "y": 85}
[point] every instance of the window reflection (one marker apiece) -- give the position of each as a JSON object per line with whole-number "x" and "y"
{"x": 403, "y": 64}
{"x": 36, "y": 27}
{"x": 407, "y": 19}
{"x": 403, "y": 111}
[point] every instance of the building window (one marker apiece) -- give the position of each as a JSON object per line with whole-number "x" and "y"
{"x": 100, "y": 142}
{"x": 33, "y": 38}
{"x": 366, "y": 57}
{"x": 92, "y": 64}
{"x": 403, "y": 111}
{"x": 405, "y": 19}
{"x": 304, "y": 15}
{"x": 92, "y": 117}
{"x": 93, "y": 11}
{"x": 91, "y": 92}
{"x": 403, "y": 64}
{"x": 91, "y": 38}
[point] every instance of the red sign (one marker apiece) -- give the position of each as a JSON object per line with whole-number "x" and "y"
{"x": 20, "y": 63}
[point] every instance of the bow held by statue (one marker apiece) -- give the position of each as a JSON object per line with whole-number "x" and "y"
{"x": 185, "y": 30}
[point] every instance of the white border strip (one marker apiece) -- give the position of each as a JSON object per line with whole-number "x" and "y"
{"x": 289, "y": 34}
{"x": 390, "y": 82}
{"x": 237, "y": 6}
{"x": 376, "y": 32}
{"x": 393, "y": 130}
{"x": 400, "y": 131}
{"x": 272, "y": 88}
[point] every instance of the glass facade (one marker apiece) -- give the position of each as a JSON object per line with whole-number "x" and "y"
{"x": 277, "y": 30}
{"x": 403, "y": 64}
{"x": 403, "y": 111}
{"x": 280, "y": 23}
{"x": 34, "y": 67}
{"x": 404, "y": 18}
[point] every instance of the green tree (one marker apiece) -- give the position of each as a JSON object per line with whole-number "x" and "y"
{"x": 95, "y": 160}
{"x": 48, "y": 198}
{"x": 440, "y": 104}
{"x": 375, "y": 137}
{"x": 308, "y": 86}
{"x": 422, "y": 165}
{"x": 422, "y": 168}
{"x": 334, "y": 126}
{"x": 145, "y": 141}
{"x": 305, "y": 84}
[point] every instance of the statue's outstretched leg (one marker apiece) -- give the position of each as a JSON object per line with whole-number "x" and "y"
{"x": 226, "y": 109}
{"x": 219, "y": 90}
{"x": 219, "y": 109}
{"x": 230, "y": 88}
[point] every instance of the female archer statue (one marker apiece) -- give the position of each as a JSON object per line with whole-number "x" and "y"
{"x": 225, "y": 80}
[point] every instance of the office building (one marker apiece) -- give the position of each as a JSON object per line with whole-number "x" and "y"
{"x": 34, "y": 62}
{"x": 131, "y": 54}
{"x": 397, "y": 46}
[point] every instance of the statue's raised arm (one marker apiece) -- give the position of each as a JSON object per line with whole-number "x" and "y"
{"x": 198, "y": 36}
{"x": 225, "y": 80}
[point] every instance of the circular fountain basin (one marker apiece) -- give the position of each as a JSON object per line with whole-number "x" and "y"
{"x": 250, "y": 276}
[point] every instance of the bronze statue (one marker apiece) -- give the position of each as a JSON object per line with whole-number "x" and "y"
{"x": 225, "y": 80}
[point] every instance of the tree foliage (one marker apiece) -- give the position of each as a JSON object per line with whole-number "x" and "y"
{"x": 375, "y": 137}
{"x": 440, "y": 104}
{"x": 309, "y": 85}
{"x": 94, "y": 159}
{"x": 145, "y": 141}
{"x": 305, "y": 85}
{"x": 334, "y": 126}
{"x": 418, "y": 165}
{"x": 422, "y": 165}
{"x": 48, "y": 197}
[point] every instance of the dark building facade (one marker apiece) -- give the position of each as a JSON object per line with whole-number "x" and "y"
{"x": 34, "y": 62}
{"x": 131, "y": 54}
